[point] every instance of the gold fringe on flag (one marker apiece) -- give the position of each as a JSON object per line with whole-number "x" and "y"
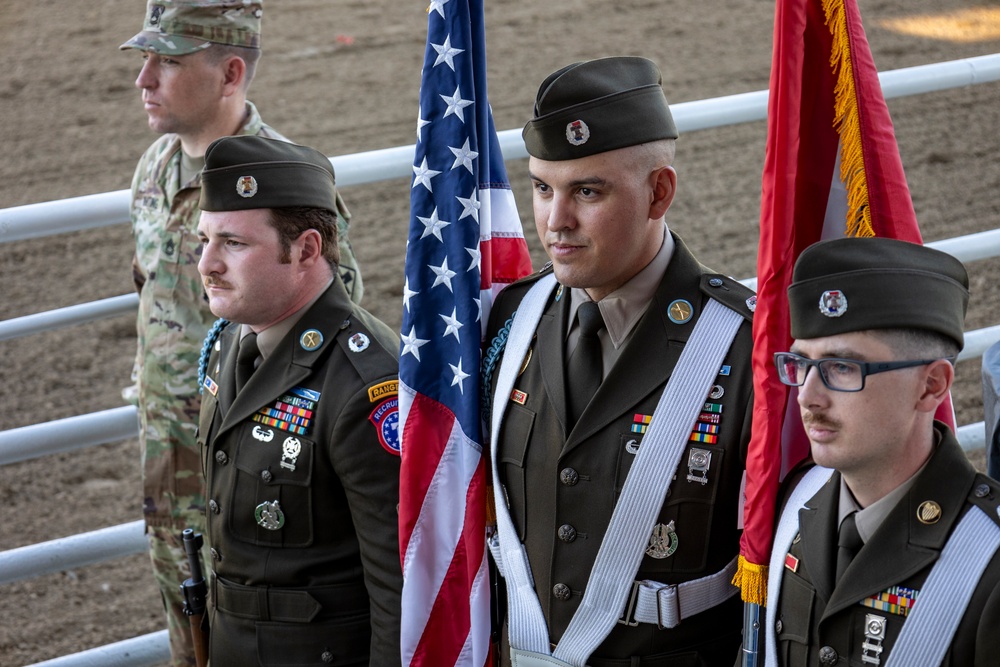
{"x": 751, "y": 579}
{"x": 848, "y": 123}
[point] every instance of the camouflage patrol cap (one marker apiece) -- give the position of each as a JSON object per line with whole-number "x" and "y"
{"x": 857, "y": 284}
{"x": 179, "y": 27}
{"x": 597, "y": 106}
{"x": 246, "y": 172}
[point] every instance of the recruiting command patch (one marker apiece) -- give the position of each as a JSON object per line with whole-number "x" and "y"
{"x": 385, "y": 417}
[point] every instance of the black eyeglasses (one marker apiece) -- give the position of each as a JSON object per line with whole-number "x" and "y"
{"x": 837, "y": 374}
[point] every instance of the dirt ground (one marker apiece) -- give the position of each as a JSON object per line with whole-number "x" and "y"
{"x": 71, "y": 124}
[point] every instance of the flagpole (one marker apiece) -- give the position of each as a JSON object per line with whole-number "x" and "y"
{"x": 751, "y": 635}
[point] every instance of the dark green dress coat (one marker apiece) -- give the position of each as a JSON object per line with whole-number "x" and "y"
{"x": 562, "y": 487}
{"x": 324, "y": 588}
{"x": 818, "y": 624}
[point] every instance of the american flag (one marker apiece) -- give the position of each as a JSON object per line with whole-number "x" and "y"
{"x": 465, "y": 243}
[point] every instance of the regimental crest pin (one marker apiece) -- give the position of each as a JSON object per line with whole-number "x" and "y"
{"x": 246, "y": 186}
{"x": 358, "y": 342}
{"x": 577, "y": 133}
{"x": 663, "y": 542}
{"x": 833, "y": 303}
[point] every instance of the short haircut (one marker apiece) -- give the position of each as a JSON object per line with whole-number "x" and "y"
{"x": 220, "y": 52}
{"x": 655, "y": 154}
{"x": 291, "y": 221}
{"x": 918, "y": 343}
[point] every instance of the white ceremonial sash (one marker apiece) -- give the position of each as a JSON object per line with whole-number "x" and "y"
{"x": 642, "y": 496}
{"x": 788, "y": 528}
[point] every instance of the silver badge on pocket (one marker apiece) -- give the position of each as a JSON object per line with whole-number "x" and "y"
{"x": 663, "y": 542}
{"x": 290, "y": 450}
{"x": 699, "y": 461}
{"x": 269, "y": 515}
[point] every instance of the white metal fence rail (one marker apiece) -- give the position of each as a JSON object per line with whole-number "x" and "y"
{"x": 50, "y": 218}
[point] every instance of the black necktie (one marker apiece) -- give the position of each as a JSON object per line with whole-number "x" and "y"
{"x": 246, "y": 359}
{"x": 848, "y": 543}
{"x": 585, "y": 368}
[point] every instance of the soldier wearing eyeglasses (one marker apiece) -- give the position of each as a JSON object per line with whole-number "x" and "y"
{"x": 886, "y": 549}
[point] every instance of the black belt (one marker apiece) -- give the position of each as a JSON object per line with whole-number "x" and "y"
{"x": 289, "y": 605}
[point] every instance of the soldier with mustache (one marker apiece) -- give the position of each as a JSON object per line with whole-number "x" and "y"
{"x": 886, "y": 550}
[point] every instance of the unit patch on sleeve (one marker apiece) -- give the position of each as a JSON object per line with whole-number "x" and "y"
{"x": 385, "y": 417}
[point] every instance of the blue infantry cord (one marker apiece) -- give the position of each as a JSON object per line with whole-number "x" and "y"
{"x": 489, "y": 363}
{"x": 206, "y": 351}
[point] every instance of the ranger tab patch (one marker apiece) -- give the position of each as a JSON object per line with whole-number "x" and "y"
{"x": 382, "y": 390}
{"x": 385, "y": 418}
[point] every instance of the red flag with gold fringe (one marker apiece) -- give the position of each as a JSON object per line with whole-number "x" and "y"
{"x": 831, "y": 168}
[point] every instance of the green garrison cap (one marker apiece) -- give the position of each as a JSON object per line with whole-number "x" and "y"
{"x": 597, "y": 106}
{"x": 246, "y": 172}
{"x": 856, "y": 284}
{"x": 179, "y": 27}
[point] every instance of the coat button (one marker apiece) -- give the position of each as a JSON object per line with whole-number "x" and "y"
{"x": 778, "y": 626}
{"x": 327, "y": 657}
{"x": 827, "y": 656}
{"x": 715, "y": 282}
{"x": 266, "y": 476}
{"x": 567, "y": 533}
{"x": 214, "y": 506}
{"x": 221, "y": 458}
{"x": 569, "y": 477}
{"x": 561, "y": 591}
{"x": 216, "y": 556}
{"x": 982, "y": 490}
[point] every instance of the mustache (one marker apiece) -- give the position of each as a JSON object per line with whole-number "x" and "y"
{"x": 214, "y": 282}
{"x": 815, "y": 419}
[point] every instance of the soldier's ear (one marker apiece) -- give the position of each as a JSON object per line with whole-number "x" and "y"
{"x": 309, "y": 246}
{"x": 664, "y": 187}
{"x": 938, "y": 378}
{"x": 234, "y": 71}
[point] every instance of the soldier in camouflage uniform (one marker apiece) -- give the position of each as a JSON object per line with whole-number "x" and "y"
{"x": 199, "y": 59}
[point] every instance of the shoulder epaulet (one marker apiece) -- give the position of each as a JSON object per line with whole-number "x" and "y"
{"x": 369, "y": 345}
{"x": 730, "y": 293}
{"x": 206, "y": 350}
{"x": 985, "y": 494}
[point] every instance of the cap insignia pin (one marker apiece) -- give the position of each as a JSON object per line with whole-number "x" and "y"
{"x": 246, "y": 186}
{"x": 833, "y": 303}
{"x": 577, "y": 133}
